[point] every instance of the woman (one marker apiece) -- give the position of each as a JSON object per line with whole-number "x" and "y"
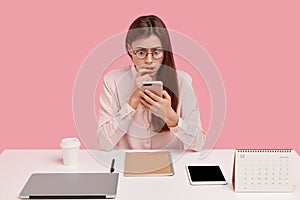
{"x": 130, "y": 118}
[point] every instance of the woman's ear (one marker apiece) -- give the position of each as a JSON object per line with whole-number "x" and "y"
{"x": 129, "y": 49}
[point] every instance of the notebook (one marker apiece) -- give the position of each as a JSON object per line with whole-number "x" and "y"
{"x": 148, "y": 164}
{"x": 263, "y": 170}
{"x": 71, "y": 185}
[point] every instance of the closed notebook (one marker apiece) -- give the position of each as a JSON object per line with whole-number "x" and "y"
{"x": 148, "y": 164}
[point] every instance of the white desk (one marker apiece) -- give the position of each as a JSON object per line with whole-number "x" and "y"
{"x": 17, "y": 165}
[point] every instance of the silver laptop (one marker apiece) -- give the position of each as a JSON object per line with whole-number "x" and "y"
{"x": 71, "y": 185}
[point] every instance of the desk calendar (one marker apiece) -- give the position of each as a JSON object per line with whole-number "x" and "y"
{"x": 263, "y": 170}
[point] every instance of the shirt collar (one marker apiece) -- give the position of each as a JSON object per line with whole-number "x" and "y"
{"x": 133, "y": 70}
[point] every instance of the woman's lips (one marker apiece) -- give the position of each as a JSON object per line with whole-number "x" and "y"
{"x": 150, "y": 70}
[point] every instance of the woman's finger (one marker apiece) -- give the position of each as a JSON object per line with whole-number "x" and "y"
{"x": 140, "y": 79}
{"x": 147, "y": 98}
{"x": 166, "y": 95}
{"x": 145, "y": 104}
{"x": 153, "y": 96}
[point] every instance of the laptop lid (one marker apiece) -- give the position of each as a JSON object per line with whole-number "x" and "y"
{"x": 71, "y": 185}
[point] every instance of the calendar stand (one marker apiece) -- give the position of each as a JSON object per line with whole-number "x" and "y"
{"x": 262, "y": 170}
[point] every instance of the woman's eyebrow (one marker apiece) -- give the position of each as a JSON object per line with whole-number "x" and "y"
{"x": 141, "y": 47}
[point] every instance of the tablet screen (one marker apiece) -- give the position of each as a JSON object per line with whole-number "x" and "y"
{"x": 205, "y": 174}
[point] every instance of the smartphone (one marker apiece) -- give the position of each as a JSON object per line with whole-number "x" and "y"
{"x": 205, "y": 174}
{"x": 154, "y": 86}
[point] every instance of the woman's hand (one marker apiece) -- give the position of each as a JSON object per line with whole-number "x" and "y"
{"x": 160, "y": 106}
{"x": 135, "y": 98}
{"x": 142, "y": 75}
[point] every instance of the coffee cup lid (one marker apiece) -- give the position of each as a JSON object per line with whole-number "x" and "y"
{"x": 70, "y": 143}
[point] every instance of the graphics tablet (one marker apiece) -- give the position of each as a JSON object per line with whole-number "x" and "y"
{"x": 205, "y": 174}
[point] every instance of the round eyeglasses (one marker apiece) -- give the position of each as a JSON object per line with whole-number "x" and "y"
{"x": 142, "y": 53}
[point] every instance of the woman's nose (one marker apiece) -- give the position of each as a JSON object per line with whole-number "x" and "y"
{"x": 149, "y": 58}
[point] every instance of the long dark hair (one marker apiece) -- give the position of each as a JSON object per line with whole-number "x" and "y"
{"x": 145, "y": 26}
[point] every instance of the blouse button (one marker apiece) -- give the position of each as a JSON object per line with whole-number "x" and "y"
{"x": 147, "y": 143}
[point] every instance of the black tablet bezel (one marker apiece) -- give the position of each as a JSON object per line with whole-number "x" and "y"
{"x": 217, "y": 179}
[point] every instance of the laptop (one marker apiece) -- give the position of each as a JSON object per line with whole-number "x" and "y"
{"x": 71, "y": 185}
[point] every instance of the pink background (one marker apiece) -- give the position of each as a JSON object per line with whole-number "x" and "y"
{"x": 255, "y": 45}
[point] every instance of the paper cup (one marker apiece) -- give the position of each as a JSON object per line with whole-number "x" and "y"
{"x": 70, "y": 151}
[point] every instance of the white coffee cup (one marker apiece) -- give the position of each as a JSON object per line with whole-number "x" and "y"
{"x": 70, "y": 151}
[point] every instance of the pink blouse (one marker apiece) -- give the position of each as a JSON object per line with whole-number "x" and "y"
{"x": 122, "y": 127}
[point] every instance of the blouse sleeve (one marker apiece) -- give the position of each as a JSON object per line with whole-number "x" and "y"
{"x": 114, "y": 119}
{"x": 189, "y": 129}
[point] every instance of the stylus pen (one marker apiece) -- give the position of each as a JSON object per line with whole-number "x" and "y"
{"x": 112, "y": 169}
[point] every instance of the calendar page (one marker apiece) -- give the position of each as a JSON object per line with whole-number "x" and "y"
{"x": 263, "y": 171}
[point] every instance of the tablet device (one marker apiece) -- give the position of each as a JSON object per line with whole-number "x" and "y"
{"x": 205, "y": 175}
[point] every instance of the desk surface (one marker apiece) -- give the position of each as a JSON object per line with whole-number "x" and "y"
{"x": 17, "y": 165}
